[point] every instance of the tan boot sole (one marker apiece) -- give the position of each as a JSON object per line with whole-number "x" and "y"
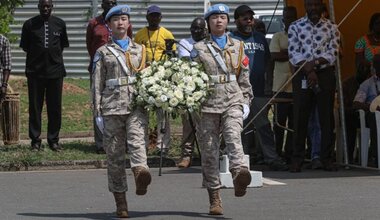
{"x": 241, "y": 182}
{"x": 122, "y": 214}
{"x": 184, "y": 163}
{"x": 216, "y": 211}
{"x": 142, "y": 182}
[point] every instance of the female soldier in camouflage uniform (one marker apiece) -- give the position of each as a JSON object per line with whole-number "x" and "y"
{"x": 114, "y": 67}
{"x": 226, "y": 63}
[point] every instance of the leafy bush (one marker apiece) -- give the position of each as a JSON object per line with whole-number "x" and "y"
{"x": 6, "y": 15}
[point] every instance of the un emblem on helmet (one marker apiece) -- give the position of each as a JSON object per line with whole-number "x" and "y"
{"x": 222, "y": 8}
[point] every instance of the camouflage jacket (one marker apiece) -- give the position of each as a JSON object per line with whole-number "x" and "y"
{"x": 115, "y": 99}
{"x": 225, "y": 95}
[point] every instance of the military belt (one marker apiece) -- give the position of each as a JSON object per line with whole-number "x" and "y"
{"x": 219, "y": 79}
{"x": 122, "y": 81}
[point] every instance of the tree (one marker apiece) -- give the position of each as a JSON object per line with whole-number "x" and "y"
{"x": 7, "y": 8}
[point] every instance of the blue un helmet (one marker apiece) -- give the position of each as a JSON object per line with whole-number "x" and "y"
{"x": 118, "y": 10}
{"x": 217, "y": 9}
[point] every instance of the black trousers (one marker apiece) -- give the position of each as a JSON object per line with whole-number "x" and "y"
{"x": 284, "y": 118}
{"x": 40, "y": 89}
{"x": 303, "y": 105}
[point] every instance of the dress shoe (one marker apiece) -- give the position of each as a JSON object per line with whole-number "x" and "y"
{"x": 278, "y": 165}
{"x": 295, "y": 167}
{"x": 100, "y": 151}
{"x": 316, "y": 164}
{"x": 36, "y": 147}
{"x": 329, "y": 166}
{"x": 55, "y": 147}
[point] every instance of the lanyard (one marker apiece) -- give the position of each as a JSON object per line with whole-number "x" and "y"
{"x": 150, "y": 43}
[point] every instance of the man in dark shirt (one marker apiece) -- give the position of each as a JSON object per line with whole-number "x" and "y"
{"x": 314, "y": 45}
{"x": 98, "y": 33}
{"x": 43, "y": 38}
{"x": 257, "y": 50}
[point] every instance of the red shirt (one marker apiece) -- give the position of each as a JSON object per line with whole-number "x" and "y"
{"x": 97, "y": 35}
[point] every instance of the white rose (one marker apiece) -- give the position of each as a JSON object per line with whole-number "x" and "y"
{"x": 158, "y": 102}
{"x": 197, "y": 95}
{"x": 163, "y": 98}
{"x": 190, "y": 101}
{"x": 178, "y": 94}
{"x": 187, "y": 79}
{"x": 205, "y": 77}
{"x": 173, "y": 102}
{"x": 194, "y": 70}
{"x": 167, "y": 64}
{"x": 190, "y": 88}
{"x": 151, "y": 100}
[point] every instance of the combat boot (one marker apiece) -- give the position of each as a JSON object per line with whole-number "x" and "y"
{"x": 241, "y": 179}
{"x": 185, "y": 162}
{"x": 142, "y": 179}
{"x": 121, "y": 204}
{"x": 215, "y": 202}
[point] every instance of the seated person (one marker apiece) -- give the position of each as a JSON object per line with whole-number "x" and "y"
{"x": 366, "y": 93}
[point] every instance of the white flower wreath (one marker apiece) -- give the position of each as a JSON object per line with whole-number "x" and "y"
{"x": 175, "y": 86}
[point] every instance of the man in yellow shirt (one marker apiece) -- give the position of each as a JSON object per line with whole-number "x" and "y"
{"x": 153, "y": 37}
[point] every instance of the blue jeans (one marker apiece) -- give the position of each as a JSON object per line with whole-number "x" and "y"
{"x": 314, "y": 133}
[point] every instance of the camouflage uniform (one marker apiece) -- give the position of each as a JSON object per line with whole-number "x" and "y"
{"x": 121, "y": 122}
{"x": 222, "y": 113}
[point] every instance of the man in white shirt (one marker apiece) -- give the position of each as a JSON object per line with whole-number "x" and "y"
{"x": 198, "y": 33}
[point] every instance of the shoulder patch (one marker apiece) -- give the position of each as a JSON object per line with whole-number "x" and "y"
{"x": 245, "y": 61}
{"x": 97, "y": 57}
{"x": 194, "y": 53}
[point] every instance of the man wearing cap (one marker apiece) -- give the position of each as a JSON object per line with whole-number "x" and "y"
{"x": 198, "y": 32}
{"x": 223, "y": 112}
{"x": 257, "y": 49}
{"x": 368, "y": 95}
{"x": 153, "y": 37}
{"x": 115, "y": 66}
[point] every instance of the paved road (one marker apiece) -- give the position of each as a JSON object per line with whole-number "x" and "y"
{"x": 83, "y": 194}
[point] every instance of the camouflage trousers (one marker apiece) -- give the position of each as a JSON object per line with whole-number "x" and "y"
{"x": 118, "y": 129}
{"x": 209, "y": 127}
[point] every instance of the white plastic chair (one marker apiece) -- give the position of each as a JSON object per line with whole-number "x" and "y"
{"x": 377, "y": 116}
{"x": 365, "y": 137}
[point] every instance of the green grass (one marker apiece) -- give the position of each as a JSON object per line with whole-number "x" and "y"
{"x": 76, "y": 110}
{"x": 76, "y": 118}
{"x": 21, "y": 155}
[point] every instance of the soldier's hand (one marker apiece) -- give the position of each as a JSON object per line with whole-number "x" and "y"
{"x": 100, "y": 123}
{"x": 245, "y": 111}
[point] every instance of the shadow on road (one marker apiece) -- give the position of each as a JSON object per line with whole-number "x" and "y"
{"x": 102, "y": 216}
